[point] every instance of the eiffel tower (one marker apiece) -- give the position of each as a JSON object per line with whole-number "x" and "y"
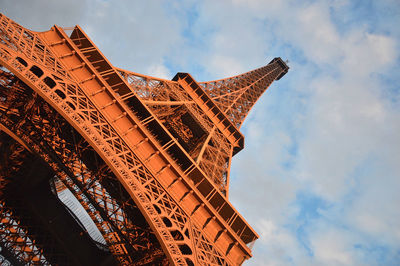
{"x": 104, "y": 166}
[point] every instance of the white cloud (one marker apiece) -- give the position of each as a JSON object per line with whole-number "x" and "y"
{"x": 325, "y": 129}
{"x": 159, "y": 71}
{"x": 40, "y": 15}
{"x": 277, "y": 245}
{"x": 346, "y": 142}
{"x": 131, "y": 34}
{"x": 332, "y": 247}
{"x": 227, "y": 66}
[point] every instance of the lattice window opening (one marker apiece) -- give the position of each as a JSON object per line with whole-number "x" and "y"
{"x": 85, "y": 202}
{"x": 79, "y": 213}
{"x": 14, "y": 235}
{"x": 165, "y": 87}
{"x": 196, "y": 113}
{"x": 37, "y": 50}
{"x": 3, "y": 260}
{"x": 185, "y": 128}
{"x": 146, "y": 88}
{"x": 195, "y": 133}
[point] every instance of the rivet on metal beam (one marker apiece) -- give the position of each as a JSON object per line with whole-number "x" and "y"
{"x": 176, "y": 180}
{"x": 197, "y": 208}
{"x": 77, "y": 67}
{"x": 99, "y": 91}
{"x": 212, "y": 218}
{"x": 130, "y": 129}
{"x": 185, "y": 195}
{"x": 109, "y": 104}
{"x": 119, "y": 117}
{"x": 231, "y": 245}
{"x": 163, "y": 168}
{"x": 58, "y": 43}
{"x": 219, "y": 234}
{"x": 88, "y": 79}
{"x": 67, "y": 55}
{"x": 151, "y": 156}
{"x": 140, "y": 142}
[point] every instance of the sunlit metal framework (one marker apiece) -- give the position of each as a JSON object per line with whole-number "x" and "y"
{"x": 146, "y": 159}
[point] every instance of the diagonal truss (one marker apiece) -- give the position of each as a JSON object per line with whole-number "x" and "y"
{"x": 148, "y": 159}
{"x": 235, "y": 96}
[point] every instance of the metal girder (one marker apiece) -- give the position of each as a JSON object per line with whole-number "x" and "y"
{"x": 147, "y": 159}
{"x": 130, "y": 242}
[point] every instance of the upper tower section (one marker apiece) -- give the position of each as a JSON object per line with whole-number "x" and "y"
{"x": 235, "y": 96}
{"x": 205, "y": 117}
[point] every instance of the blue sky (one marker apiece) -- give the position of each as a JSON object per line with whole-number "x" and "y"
{"x": 319, "y": 176}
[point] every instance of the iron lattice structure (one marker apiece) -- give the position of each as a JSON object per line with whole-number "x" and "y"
{"x": 103, "y": 166}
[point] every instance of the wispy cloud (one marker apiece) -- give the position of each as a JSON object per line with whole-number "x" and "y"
{"x": 319, "y": 176}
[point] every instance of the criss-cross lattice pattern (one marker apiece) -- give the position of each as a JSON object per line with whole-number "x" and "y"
{"x": 27, "y": 42}
{"x": 168, "y": 207}
{"x": 16, "y": 239}
{"x": 235, "y": 96}
{"x": 141, "y": 151}
{"x": 168, "y": 101}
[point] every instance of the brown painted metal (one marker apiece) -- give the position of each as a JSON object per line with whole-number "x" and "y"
{"x": 147, "y": 158}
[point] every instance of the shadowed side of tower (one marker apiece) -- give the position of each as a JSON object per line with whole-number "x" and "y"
{"x": 146, "y": 159}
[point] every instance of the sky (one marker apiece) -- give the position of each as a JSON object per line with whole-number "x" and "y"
{"x": 319, "y": 177}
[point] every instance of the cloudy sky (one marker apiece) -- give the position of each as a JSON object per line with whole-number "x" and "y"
{"x": 319, "y": 178}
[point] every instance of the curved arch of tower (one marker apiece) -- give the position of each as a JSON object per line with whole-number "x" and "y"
{"x": 103, "y": 166}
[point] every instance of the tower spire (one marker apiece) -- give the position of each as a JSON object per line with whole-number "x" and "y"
{"x": 235, "y": 96}
{"x": 147, "y": 159}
